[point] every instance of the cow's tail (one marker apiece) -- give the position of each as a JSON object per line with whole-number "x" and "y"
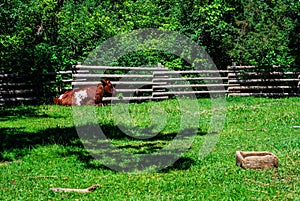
{"x": 56, "y": 100}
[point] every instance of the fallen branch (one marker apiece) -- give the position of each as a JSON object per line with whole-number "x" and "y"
{"x": 296, "y": 126}
{"x": 42, "y": 177}
{"x": 86, "y": 190}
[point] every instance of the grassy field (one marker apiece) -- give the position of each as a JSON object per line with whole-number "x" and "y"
{"x": 40, "y": 149}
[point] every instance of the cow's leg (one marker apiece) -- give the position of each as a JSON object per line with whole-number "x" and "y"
{"x": 99, "y": 104}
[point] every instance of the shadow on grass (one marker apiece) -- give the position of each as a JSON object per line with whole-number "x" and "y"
{"x": 182, "y": 163}
{"x": 15, "y": 144}
{"x": 10, "y": 113}
{"x": 19, "y": 142}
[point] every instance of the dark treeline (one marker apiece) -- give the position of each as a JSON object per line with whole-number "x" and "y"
{"x": 50, "y": 35}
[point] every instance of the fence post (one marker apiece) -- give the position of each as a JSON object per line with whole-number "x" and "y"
{"x": 231, "y": 76}
{"x": 299, "y": 85}
{"x": 156, "y": 82}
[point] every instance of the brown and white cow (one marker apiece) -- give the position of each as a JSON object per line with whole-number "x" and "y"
{"x": 87, "y": 95}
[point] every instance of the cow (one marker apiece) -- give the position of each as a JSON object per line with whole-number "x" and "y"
{"x": 87, "y": 95}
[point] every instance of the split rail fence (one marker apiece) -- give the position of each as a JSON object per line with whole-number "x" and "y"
{"x": 275, "y": 81}
{"x": 156, "y": 83}
{"x": 152, "y": 83}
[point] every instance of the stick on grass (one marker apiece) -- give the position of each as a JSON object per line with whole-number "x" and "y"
{"x": 76, "y": 190}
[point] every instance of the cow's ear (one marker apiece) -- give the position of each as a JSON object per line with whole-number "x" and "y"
{"x": 104, "y": 82}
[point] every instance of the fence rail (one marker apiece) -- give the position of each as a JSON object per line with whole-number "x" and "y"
{"x": 155, "y": 83}
{"x": 269, "y": 81}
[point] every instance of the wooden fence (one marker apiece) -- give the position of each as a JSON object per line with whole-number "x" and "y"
{"x": 23, "y": 88}
{"x": 275, "y": 81}
{"x": 132, "y": 83}
{"x": 152, "y": 83}
{"x": 16, "y": 88}
{"x": 155, "y": 83}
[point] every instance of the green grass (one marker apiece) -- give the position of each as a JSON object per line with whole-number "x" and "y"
{"x": 40, "y": 149}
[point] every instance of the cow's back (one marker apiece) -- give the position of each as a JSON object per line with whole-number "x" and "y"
{"x": 87, "y": 95}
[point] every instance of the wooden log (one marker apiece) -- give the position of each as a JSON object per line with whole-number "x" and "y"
{"x": 85, "y": 67}
{"x": 234, "y": 67}
{"x": 240, "y": 81}
{"x": 189, "y": 92}
{"x": 190, "y": 72}
{"x": 14, "y": 84}
{"x": 70, "y": 72}
{"x": 190, "y": 78}
{"x": 17, "y": 92}
{"x": 135, "y": 98}
{"x": 76, "y": 83}
{"x": 85, "y": 190}
{"x": 111, "y": 76}
{"x": 261, "y": 74}
{"x": 133, "y": 90}
{"x": 256, "y": 160}
{"x": 18, "y": 99}
{"x": 191, "y": 85}
{"x": 260, "y": 87}
{"x": 263, "y": 94}
{"x": 70, "y": 80}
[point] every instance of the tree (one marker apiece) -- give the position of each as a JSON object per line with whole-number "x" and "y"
{"x": 263, "y": 31}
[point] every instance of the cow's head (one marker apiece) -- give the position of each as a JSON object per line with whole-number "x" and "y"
{"x": 109, "y": 89}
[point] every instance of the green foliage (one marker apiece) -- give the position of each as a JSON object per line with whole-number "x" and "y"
{"x": 264, "y": 32}
{"x": 53, "y": 35}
